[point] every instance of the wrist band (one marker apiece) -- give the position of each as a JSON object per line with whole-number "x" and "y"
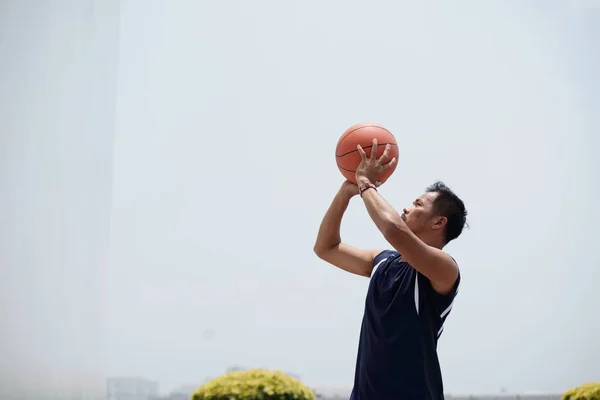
{"x": 366, "y": 186}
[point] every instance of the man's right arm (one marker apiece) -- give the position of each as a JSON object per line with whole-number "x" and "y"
{"x": 329, "y": 246}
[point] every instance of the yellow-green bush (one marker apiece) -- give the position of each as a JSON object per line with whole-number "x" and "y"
{"x": 589, "y": 391}
{"x": 254, "y": 384}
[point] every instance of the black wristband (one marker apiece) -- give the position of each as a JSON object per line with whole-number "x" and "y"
{"x": 366, "y": 186}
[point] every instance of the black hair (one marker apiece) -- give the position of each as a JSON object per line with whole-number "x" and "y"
{"x": 449, "y": 205}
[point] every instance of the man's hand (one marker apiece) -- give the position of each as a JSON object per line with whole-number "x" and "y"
{"x": 349, "y": 189}
{"x": 371, "y": 168}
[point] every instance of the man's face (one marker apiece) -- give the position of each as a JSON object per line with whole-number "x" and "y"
{"x": 419, "y": 216}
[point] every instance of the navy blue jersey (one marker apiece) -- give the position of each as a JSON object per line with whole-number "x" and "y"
{"x": 403, "y": 320}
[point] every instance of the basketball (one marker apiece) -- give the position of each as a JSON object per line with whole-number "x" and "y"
{"x": 347, "y": 156}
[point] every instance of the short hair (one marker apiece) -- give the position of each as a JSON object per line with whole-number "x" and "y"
{"x": 449, "y": 205}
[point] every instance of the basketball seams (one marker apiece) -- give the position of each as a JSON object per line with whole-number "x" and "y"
{"x": 359, "y": 128}
{"x": 350, "y": 152}
{"x": 346, "y": 169}
{"x": 366, "y": 147}
{"x": 356, "y": 129}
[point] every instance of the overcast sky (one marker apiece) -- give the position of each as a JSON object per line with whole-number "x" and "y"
{"x": 223, "y": 165}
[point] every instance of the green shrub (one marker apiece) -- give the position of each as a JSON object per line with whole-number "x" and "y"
{"x": 589, "y": 391}
{"x": 254, "y": 384}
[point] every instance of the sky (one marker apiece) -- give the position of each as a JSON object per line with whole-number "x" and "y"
{"x": 217, "y": 129}
{"x": 227, "y": 120}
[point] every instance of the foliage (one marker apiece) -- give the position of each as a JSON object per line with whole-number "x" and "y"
{"x": 254, "y": 384}
{"x": 589, "y": 391}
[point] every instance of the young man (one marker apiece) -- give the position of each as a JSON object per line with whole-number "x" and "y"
{"x": 412, "y": 287}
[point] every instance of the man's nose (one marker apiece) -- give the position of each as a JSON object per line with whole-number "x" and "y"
{"x": 405, "y": 210}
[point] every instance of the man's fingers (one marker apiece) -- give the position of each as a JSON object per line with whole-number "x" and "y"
{"x": 389, "y": 165}
{"x": 384, "y": 157}
{"x": 374, "y": 150}
{"x": 362, "y": 153}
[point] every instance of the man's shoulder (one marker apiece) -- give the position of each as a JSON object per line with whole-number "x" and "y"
{"x": 453, "y": 289}
{"x": 450, "y": 259}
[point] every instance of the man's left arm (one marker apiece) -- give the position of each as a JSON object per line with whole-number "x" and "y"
{"x": 435, "y": 264}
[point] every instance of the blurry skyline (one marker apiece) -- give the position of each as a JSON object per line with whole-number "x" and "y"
{"x": 220, "y": 124}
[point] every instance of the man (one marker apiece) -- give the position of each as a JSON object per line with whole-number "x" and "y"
{"x": 412, "y": 286}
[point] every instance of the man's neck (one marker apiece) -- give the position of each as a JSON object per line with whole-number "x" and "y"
{"x": 432, "y": 241}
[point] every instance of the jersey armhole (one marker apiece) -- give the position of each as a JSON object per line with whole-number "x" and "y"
{"x": 454, "y": 290}
{"x": 380, "y": 258}
{"x": 382, "y": 255}
{"x": 457, "y": 283}
{"x": 451, "y": 294}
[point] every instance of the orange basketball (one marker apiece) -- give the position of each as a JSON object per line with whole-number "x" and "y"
{"x": 347, "y": 156}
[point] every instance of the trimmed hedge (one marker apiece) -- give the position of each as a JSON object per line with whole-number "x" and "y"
{"x": 589, "y": 391}
{"x": 254, "y": 384}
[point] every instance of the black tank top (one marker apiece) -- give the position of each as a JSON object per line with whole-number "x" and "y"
{"x": 403, "y": 320}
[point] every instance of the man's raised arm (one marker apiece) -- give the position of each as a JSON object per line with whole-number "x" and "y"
{"x": 329, "y": 246}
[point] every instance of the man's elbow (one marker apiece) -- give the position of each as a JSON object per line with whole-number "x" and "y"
{"x": 318, "y": 251}
{"x": 321, "y": 251}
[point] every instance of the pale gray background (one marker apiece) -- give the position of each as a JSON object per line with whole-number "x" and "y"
{"x": 227, "y": 115}
{"x": 58, "y": 69}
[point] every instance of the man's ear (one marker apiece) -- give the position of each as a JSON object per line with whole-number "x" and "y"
{"x": 439, "y": 222}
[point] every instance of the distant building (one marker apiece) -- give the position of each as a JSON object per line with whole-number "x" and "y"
{"x": 131, "y": 389}
{"x": 188, "y": 390}
{"x": 173, "y": 396}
